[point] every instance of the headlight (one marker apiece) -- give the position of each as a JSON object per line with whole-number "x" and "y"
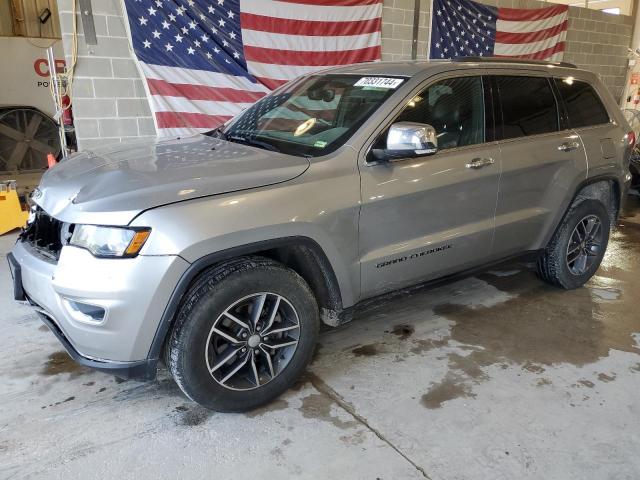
{"x": 110, "y": 241}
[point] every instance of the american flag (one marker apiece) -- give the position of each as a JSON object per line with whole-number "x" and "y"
{"x": 206, "y": 60}
{"x": 463, "y": 28}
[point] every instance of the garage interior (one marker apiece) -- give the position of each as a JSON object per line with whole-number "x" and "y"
{"x": 493, "y": 374}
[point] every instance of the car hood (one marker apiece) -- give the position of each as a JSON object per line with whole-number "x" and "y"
{"x": 112, "y": 185}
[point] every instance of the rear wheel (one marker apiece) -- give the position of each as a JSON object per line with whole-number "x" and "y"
{"x": 245, "y": 333}
{"x": 578, "y": 246}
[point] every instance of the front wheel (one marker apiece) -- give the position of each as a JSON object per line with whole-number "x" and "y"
{"x": 578, "y": 246}
{"x": 244, "y": 334}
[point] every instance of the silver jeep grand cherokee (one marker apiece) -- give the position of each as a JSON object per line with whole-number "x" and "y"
{"x": 222, "y": 253}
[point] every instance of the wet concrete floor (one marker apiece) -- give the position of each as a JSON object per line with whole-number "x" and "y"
{"x": 495, "y": 376}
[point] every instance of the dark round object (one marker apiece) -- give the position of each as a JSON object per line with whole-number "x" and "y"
{"x": 243, "y": 335}
{"x": 578, "y": 246}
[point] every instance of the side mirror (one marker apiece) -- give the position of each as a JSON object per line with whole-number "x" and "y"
{"x": 408, "y": 140}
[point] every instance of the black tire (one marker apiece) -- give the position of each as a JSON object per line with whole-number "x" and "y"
{"x": 552, "y": 264}
{"x": 210, "y": 295}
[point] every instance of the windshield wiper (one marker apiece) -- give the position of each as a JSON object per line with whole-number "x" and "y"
{"x": 252, "y": 141}
{"x": 216, "y": 133}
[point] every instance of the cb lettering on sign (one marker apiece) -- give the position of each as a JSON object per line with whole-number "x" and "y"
{"x": 41, "y": 66}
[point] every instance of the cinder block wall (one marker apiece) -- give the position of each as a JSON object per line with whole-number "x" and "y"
{"x": 596, "y": 41}
{"x": 109, "y": 100}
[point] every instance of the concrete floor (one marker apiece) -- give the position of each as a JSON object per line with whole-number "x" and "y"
{"x": 497, "y": 376}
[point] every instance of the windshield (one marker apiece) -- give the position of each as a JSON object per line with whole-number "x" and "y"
{"x": 311, "y": 117}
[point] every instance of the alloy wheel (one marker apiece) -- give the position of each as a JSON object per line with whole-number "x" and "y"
{"x": 252, "y": 341}
{"x": 584, "y": 245}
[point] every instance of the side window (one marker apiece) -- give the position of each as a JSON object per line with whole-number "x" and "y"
{"x": 584, "y": 107}
{"x": 454, "y": 107}
{"x": 528, "y": 106}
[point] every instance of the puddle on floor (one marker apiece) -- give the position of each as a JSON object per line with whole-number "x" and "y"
{"x": 366, "y": 350}
{"x": 60, "y": 362}
{"x": 318, "y": 406}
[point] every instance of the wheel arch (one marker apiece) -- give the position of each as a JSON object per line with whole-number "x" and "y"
{"x": 302, "y": 254}
{"x": 604, "y": 188}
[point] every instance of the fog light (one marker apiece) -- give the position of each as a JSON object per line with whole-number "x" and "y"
{"x": 84, "y": 312}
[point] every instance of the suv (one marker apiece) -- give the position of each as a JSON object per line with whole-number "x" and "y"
{"x": 222, "y": 253}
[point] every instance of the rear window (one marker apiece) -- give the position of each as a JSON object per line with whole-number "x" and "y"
{"x": 584, "y": 107}
{"x": 528, "y": 106}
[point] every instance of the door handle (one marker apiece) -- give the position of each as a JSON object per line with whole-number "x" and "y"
{"x": 568, "y": 146}
{"x": 480, "y": 162}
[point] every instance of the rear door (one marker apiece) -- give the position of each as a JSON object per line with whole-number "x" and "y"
{"x": 541, "y": 158}
{"x": 603, "y": 139}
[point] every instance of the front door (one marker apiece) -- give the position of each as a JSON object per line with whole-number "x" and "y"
{"x": 425, "y": 217}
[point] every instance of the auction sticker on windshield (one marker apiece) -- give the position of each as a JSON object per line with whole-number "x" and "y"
{"x": 380, "y": 82}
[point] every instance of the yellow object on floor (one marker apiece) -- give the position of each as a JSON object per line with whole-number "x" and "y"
{"x": 11, "y": 214}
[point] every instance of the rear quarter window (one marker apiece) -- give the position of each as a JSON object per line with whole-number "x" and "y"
{"x": 583, "y": 105}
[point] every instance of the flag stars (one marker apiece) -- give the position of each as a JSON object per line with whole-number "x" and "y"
{"x": 221, "y": 22}
{"x": 205, "y": 38}
{"x": 179, "y": 38}
{"x": 152, "y": 11}
{"x": 236, "y": 55}
{"x": 156, "y": 34}
{"x": 165, "y": 24}
{"x": 192, "y": 25}
{"x": 230, "y": 14}
{"x": 209, "y": 56}
{"x": 232, "y": 35}
{"x": 168, "y": 47}
{"x": 185, "y": 30}
{"x": 197, "y": 43}
{"x": 159, "y": 3}
{"x": 147, "y": 44}
{"x": 172, "y": 17}
{"x": 211, "y": 9}
{"x": 143, "y": 20}
{"x": 180, "y": 10}
{"x": 190, "y": 51}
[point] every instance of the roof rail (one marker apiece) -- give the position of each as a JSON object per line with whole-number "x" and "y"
{"x": 511, "y": 60}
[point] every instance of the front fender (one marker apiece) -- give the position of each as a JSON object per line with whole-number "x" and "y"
{"x": 244, "y": 220}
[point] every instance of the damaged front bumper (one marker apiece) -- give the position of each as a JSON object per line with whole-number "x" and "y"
{"x": 105, "y": 312}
